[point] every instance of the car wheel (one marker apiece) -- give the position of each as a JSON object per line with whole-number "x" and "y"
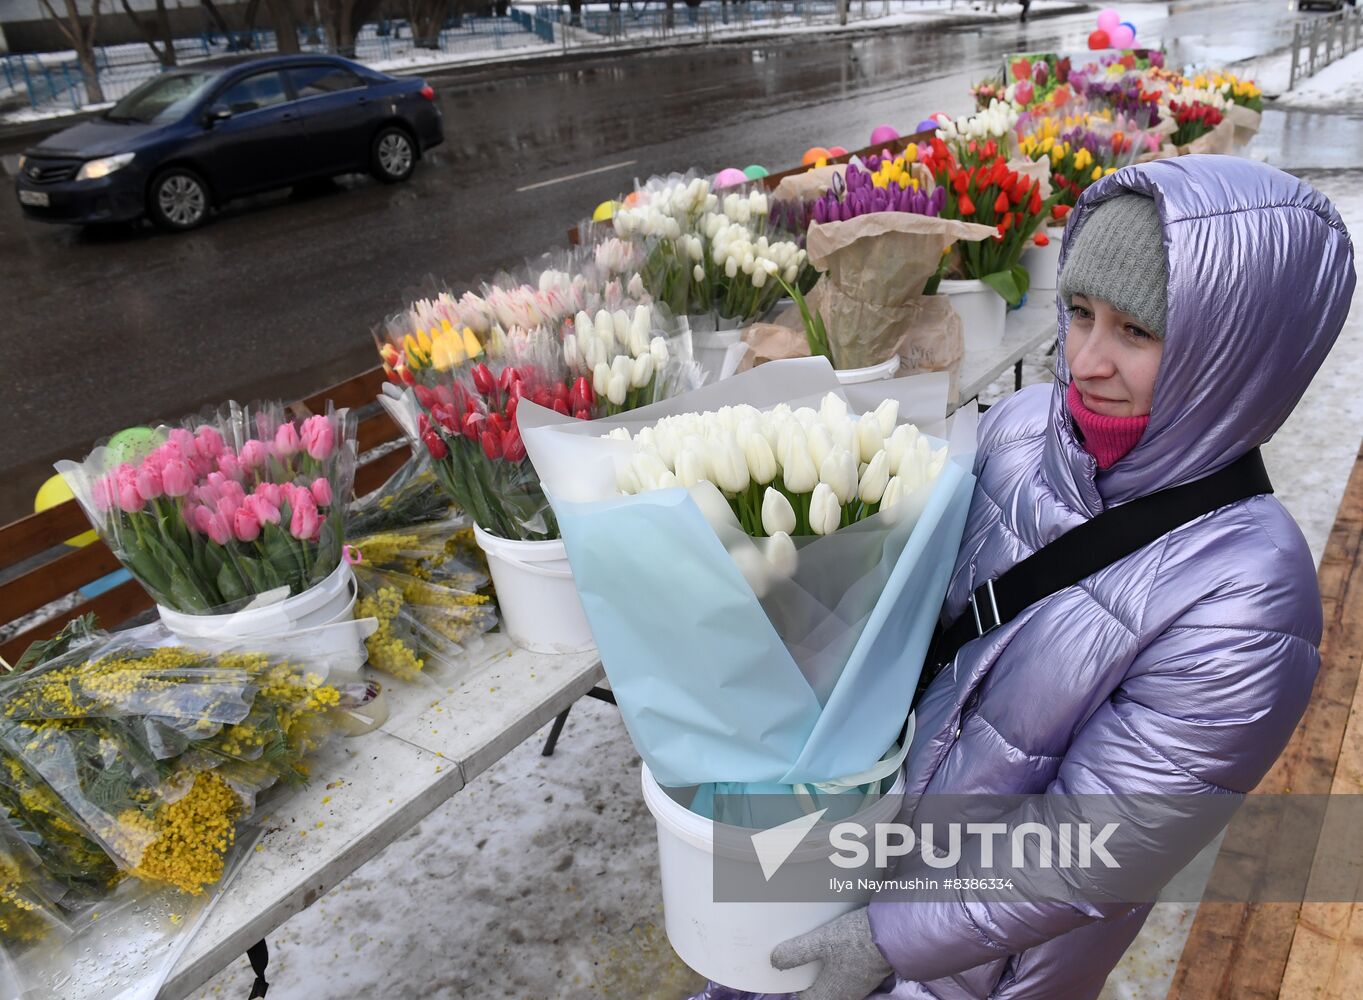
{"x": 394, "y": 155}
{"x": 178, "y": 200}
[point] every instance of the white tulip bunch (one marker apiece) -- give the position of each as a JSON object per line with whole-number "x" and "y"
{"x": 617, "y": 354}
{"x": 786, "y": 472}
{"x": 994, "y": 122}
{"x": 710, "y": 253}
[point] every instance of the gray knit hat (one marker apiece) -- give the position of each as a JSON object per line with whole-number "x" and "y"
{"x": 1118, "y": 256}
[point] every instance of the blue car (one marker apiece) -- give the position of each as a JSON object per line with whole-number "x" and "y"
{"x": 193, "y": 138}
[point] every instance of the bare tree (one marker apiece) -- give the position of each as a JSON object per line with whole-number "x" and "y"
{"x": 285, "y": 24}
{"x": 427, "y": 18}
{"x": 80, "y": 32}
{"x": 156, "y": 30}
{"x": 343, "y": 20}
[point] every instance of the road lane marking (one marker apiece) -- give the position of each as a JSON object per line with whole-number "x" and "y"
{"x": 701, "y": 90}
{"x": 573, "y": 177}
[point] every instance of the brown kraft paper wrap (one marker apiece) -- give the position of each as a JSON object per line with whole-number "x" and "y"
{"x": 875, "y": 267}
{"x": 808, "y": 186}
{"x": 1246, "y": 121}
{"x": 1219, "y": 140}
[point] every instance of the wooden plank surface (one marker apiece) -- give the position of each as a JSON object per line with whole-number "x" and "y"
{"x": 1240, "y": 951}
{"x": 36, "y": 533}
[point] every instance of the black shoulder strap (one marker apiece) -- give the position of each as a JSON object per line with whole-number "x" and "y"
{"x": 1098, "y": 542}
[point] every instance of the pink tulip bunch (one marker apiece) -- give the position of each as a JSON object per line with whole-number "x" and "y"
{"x": 219, "y": 511}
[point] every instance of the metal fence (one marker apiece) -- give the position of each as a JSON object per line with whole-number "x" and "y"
{"x": 1320, "y": 41}
{"x": 642, "y": 23}
{"x": 53, "y": 81}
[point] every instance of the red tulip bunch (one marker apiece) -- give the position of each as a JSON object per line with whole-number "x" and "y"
{"x": 992, "y": 194}
{"x": 468, "y": 426}
{"x": 1194, "y": 119}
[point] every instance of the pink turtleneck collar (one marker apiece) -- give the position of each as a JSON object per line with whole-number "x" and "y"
{"x": 1107, "y": 439}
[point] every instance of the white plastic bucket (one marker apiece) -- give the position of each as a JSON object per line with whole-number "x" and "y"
{"x": 331, "y": 600}
{"x": 982, "y": 311}
{"x": 712, "y": 352}
{"x": 731, "y": 942}
{"x": 1042, "y": 263}
{"x": 536, "y": 594}
{"x": 872, "y": 373}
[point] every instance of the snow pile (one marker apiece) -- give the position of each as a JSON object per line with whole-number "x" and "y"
{"x": 1338, "y": 86}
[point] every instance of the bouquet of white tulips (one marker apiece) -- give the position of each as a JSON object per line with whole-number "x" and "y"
{"x": 709, "y": 253}
{"x": 787, "y": 472}
{"x": 762, "y": 562}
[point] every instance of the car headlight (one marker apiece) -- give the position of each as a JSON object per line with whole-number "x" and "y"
{"x": 93, "y": 170}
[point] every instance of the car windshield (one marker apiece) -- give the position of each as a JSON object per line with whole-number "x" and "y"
{"x": 161, "y": 99}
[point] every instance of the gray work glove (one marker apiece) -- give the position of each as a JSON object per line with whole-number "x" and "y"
{"x": 852, "y": 964}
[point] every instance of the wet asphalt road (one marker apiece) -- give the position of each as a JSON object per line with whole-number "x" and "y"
{"x": 277, "y": 296}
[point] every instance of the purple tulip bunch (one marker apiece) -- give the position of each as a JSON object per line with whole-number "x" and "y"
{"x": 1124, "y": 96}
{"x": 859, "y": 196}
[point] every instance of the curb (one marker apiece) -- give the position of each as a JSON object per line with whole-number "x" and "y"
{"x": 497, "y": 66}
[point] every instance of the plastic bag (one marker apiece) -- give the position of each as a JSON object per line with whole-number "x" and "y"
{"x": 421, "y": 624}
{"x": 411, "y": 495}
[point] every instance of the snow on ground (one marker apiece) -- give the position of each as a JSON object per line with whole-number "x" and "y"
{"x": 1270, "y": 71}
{"x": 1339, "y": 86}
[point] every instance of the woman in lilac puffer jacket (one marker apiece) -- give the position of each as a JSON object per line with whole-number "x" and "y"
{"x": 1181, "y": 669}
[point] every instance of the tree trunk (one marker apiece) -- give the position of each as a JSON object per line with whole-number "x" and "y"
{"x": 281, "y": 19}
{"x": 82, "y": 39}
{"x": 154, "y": 32}
{"x": 167, "y": 39}
{"x": 94, "y": 93}
{"x": 220, "y": 21}
{"x": 842, "y": 11}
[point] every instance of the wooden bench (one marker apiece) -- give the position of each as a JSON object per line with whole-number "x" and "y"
{"x": 37, "y": 568}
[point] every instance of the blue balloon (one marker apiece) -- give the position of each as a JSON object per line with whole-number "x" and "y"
{"x": 1128, "y": 24}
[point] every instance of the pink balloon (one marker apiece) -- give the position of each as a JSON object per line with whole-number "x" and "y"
{"x": 1122, "y": 37}
{"x": 730, "y": 177}
{"x": 1109, "y": 19}
{"x": 883, "y": 134}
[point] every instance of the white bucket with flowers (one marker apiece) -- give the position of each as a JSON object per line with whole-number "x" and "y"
{"x": 235, "y": 524}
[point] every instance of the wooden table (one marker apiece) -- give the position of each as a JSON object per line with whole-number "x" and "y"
{"x": 1026, "y": 330}
{"x": 368, "y": 791}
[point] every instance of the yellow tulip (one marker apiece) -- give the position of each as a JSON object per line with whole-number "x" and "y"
{"x": 416, "y": 358}
{"x": 1097, "y": 173}
{"x": 440, "y": 355}
{"x": 423, "y": 341}
{"x": 471, "y": 346}
{"x": 445, "y": 326}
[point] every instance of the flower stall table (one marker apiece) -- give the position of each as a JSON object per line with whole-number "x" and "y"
{"x": 1026, "y": 330}
{"x": 368, "y": 791}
